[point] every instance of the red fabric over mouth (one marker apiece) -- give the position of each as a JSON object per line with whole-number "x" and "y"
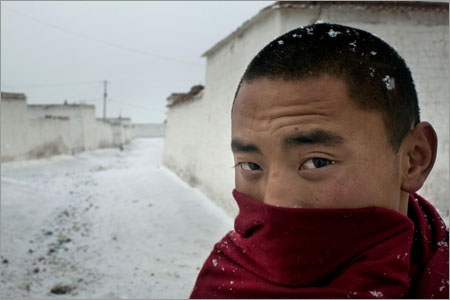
{"x": 278, "y": 252}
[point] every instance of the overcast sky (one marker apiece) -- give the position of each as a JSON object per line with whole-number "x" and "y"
{"x": 53, "y": 51}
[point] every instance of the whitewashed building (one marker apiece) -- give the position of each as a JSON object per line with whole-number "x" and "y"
{"x": 23, "y": 137}
{"x": 122, "y": 130}
{"x": 148, "y": 130}
{"x": 183, "y": 133}
{"x": 36, "y": 131}
{"x": 198, "y": 128}
{"x": 82, "y": 123}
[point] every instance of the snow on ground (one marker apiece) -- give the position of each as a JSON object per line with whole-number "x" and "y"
{"x": 103, "y": 224}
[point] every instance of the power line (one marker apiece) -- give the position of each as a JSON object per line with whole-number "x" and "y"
{"x": 107, "y": 43}
{"x": 80, "y": 98}
{"x": 47, "y": 85}
{"x": 62, "y": 98}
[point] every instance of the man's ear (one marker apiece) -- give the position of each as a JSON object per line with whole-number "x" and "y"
{"x": 421, "y": 147}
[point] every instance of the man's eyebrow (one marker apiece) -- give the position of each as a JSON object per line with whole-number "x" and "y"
{"x": 314, "y": 137}
{"x": 239, "y": 146}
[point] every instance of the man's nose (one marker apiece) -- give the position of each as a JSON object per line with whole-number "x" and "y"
{"x": 281, "y": 190}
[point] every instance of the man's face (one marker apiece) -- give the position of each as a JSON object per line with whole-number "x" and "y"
{"x": 304, "y": 144}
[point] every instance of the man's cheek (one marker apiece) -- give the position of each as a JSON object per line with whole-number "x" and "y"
{"x": 343, "y": 193}
{"x": 246, "y": 187}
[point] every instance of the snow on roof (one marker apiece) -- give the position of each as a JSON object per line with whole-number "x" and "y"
{"x": 119, "y": 119}
{"x": 68, "y": 105}
{"x": 176, "y": 98}
{"x": 13, "y": 96}
{"x": 387, "y": 5}
{"x": 376, "y": 5}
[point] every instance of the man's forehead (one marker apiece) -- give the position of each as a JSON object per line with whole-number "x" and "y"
{"x": 272, "y": 110}
{"x": 310, "y": 137}
{"x": 273, "y": 99}
{"x": 277, "y": 92}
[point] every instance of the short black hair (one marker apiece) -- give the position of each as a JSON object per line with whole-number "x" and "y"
{"x": 376, "y": 76}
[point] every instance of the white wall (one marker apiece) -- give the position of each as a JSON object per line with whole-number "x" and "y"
{"x": 48, "y": 136}
{"x": 14, "y": 125}
{"x": 100, "y": 135}
{"x": 122, "y": 131}
{"x": 36, "y": 131}
{"x": 128, "y": 132}
{"x": 180, "y": 153}
{"x": 24, "y": 138}
{"x": 148, "y": 130}
{"x": 198, "y": 133}
{"x": 86, "y": 132}
{"x": 82, "y": 119}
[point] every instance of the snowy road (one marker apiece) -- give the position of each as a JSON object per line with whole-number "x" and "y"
{"x": 103, "y": 224}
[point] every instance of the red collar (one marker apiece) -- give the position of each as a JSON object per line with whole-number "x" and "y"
{"x": 278, "y": 252}
{"x": 298, "y": 246}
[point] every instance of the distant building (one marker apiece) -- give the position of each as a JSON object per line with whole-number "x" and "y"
{"x": 23, "y": 137}
{"x": 36, "y": 131}
{"x": 81, "y": 119}
{"x": 147, "y": 130}
{"x": 122, "y": 130}
{"x": 198, "y": 128}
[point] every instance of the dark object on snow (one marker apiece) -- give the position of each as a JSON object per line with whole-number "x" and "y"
{"x": 62, "y": 239}
{"x": 61, "y": 289}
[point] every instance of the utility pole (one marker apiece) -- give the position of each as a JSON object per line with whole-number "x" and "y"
{"x": 104, "y": 100}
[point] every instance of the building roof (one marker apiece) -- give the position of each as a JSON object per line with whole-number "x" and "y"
{"x": 119, "y": 119}
{"x": 388, "y": 5}
{"x": 376, "y": 5}
{"x": 176, "y": 98}
{"x": 48, "y": 106}
{"x": 13, "y": 96}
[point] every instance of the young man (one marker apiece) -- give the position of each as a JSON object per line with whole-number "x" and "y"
{"x": 329, "y": 152}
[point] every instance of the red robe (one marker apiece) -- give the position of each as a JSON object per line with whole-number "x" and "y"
{"x": 279, "y": 252}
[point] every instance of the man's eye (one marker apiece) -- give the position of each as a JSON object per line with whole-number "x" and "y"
{"x": 315, "y": 163}
{"x": 249, "y": 166}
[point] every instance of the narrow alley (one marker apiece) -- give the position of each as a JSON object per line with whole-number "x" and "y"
{"x": 103, "y": 224}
